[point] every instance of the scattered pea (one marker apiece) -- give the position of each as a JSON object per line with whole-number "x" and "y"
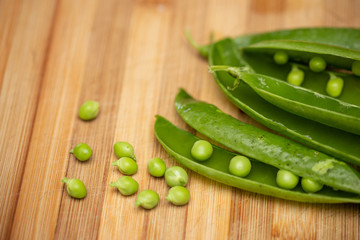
{"x": 310, "y": 185}
{"x": 286, "y": 179}
{"x": 176, "y": 176}
{"x": 156, "y": 167}
{"x": 75, "y": 187}
{"x": 334, "y": 86}
{"x": 240, "y": 166}
{"x": 178, "y": 195}
{"x": 201, "y": 150}
{"x": 147, "y": 199}
{"x": 126, "y": 185}
{"x": 356, "y": 68}
{"x": 296, "y": 76}
{"x": 126, "y": 165}
{"x": 281, "y": 57}
{"x": 317, "y": 64}
{"x": 89, "y": 110}
{"x": 82, "y": 151}
{"x": 124, "y": 149}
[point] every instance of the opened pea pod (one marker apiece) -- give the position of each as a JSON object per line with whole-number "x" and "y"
{"x": 261, "y": 179}
{"x": 266, "y": 147}
{"x": 335, "y": 142}
{"x": 300, "y": 101}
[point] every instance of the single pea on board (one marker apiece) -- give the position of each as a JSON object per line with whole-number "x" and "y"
{"x": 148, "y": 199}
{"x": 126, "y": 165}
{"x": 82, "y": 152}
{"x": 124, "y": 149}
{"x": 176, "y": 176}
{"x": 75, "y": 187}
{"x": 178, "y": 195}
{"x": 89, "y": 110}
{"x": 126, "y": 185}
{"x": 156, "y": 167}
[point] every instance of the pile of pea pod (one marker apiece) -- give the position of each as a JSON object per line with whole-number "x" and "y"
{"x": 302, "y": 83}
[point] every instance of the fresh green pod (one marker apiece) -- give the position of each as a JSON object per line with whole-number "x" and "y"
{"x": 332, "y": 141}
{"x": 300, "y": 101}
{"x": 266, "y": 147}
{"x": 262, "y": 178}
{"x": 341, "y": 37}
{"x": 305, "y": 51}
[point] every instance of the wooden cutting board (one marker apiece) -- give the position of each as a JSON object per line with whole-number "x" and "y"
{"x": 132, "y": 57}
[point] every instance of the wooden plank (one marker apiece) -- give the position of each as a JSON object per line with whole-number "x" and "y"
{"x": 24, "y": 34}
{"x": 132, "y": 56}
{"x": 48, "y": 156}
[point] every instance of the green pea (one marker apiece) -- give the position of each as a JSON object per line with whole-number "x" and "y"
{"x": 89, "y": 110}
{"x": 286, "y": 179}
{"x": 281, "y": 57}
{"x": 310, "y": 185}
{"x": 176, "y": 176}
{"x": 201, "y": 150}
{"x": 156, "y": 167}
{"x": 356, "y": 68}
{"x": 334, "y": 86}
{"x": 296, "y": 76}
{"x": 126, "y": 165}
{"x": 124, "y": 149}
{"x": 82, "y": 151}
{"x": 126, "y": 185}
{"x": 317, "y": 64}
{"x": 240, "y": 166}
{"x": 147, "y": 199}
{"x": 178, "y": 195}
{"x": 75, "y": 187}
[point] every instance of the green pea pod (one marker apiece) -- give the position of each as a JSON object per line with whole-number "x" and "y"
{"x": 326, "y": 139}
{"x": 300, "y": 101}
{"x": 266, "y": 147}
{"x": 342, "y": 37}
{"x": 304, "y": 50}
{"x": 262, "y": 178}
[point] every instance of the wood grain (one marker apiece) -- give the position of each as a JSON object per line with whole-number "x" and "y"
{"x": 132, "y": 57}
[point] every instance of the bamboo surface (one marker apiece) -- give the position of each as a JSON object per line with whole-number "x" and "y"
{"x": 132, "y": 57}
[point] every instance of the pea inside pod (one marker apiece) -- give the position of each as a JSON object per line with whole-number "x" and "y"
{"x": 262, "y": 178}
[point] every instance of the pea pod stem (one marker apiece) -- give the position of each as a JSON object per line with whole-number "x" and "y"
{"x": 65, "y": 180}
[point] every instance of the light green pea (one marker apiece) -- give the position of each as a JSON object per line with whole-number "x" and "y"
{"x": 334, "y": 86}
{"x": 296, "y": 76}
{"x": 126, "y": 165}
{"x": 310, "y": 185}
{"x": 147, "y": 199}
{"x": 355, "y": 67}
{"x": 82, "y": 151}
{"x": 89, "y": 110}
{"x": 156, "y": 167}
{"x": 178, "y": 195}
{"x": 201, "y": 150}
{"x": 75, "y": 187}
{"x": 281, "y": 57}
{"x": 126, "y": 185}
{"x": 240, "y": 166}
{"x": 317, "y": 64}
{"x": 124, "y": 149}
{"x": 286, "y": 179}
{"x": 176, "y": 176}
